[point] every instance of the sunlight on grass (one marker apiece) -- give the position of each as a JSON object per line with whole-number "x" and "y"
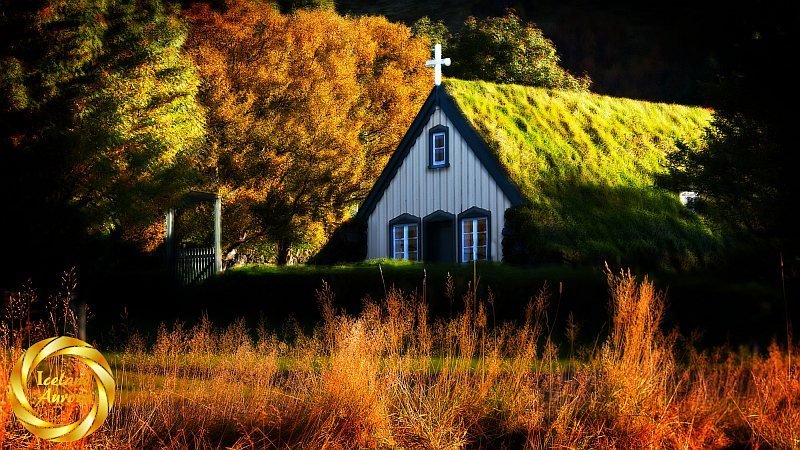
{"x": 393, "y": 377}
{"x": 576, "y": 135}
{"x": 587, "y": 164}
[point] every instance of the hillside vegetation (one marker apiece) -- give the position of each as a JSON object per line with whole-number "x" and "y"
{"x": 588, "y": 163}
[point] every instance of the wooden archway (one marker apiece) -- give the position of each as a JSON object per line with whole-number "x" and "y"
{"x": 195, "y": 257}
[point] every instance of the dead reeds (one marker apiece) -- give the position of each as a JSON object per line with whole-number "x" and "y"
{"x": 394, "y": 377}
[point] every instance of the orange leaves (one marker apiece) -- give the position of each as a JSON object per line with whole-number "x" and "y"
{"x": 303, "y": 107}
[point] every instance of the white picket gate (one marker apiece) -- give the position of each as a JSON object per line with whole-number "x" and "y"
{"x": 194, "y": 264}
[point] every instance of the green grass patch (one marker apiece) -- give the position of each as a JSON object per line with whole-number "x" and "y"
{"x": 587, "y": 164}
{"x": 541, "y": 133}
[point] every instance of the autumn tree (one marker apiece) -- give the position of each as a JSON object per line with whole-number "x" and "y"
{"x": 303, "y": 112}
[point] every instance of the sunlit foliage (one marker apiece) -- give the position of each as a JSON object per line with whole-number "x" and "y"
{"x": 436, "y": 32}
{"x": 104, "y": 100}
{"x": 508, "y": 50}
{"x": 303, "y": 110}
{"x": 502, "y": 49}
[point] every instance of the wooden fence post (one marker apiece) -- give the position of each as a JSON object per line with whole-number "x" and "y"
{"x": 169, "y": 235}
{"x": 217, "y": 234}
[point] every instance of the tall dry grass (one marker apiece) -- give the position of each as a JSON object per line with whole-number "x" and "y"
{"x": 394, "y": 377}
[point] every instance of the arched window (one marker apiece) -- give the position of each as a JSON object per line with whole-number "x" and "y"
{"x": 404, "y": 234}
{"x": 474, "y": 227}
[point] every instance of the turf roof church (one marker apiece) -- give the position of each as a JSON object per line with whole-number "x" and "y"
{"x": 443, "y": 195}
{"x": 524, "y": 174}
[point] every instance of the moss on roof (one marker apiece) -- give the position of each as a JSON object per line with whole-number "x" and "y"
{"x": 538, "y": 133}
{"x": 588, "y": 163}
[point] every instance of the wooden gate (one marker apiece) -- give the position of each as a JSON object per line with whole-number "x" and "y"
{"x": 192, "y": 265}
{"x": 195, "y": 264}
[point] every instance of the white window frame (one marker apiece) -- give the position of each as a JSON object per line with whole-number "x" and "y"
{"x": 443, "y": 161}
{"x": 475, "y": 233}
{"x": 405, "y": 240}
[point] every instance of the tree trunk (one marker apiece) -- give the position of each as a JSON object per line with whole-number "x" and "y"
{"x": 283, "y": 252}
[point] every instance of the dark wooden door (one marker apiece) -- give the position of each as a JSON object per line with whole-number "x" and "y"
{"x": 439, "y": 240}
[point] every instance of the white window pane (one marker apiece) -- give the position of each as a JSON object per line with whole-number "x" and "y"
{"x": 398, "y": 255}
{"x": 482, "y": 253}
{"x": 468, "y": 226}
{"x": 412, "y": 245}
{"x": 398, "y": 232}
{"x": 399, "y": 246}
{"x": 412, "y": 256}
{"x": 481, "y": 224}
{"x": 438, "y": 156}
{"x": 468, "y": 242}
{"x": 466, "y": 255}
{"x": 482, "y": 238}
{"x": 412, "y": 231}
{"x": 438, "y": 140}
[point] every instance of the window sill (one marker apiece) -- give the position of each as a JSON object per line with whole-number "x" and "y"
{"x": 441, "y": 166}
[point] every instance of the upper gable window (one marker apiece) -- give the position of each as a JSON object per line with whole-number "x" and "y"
{"x": 438, "y": 147}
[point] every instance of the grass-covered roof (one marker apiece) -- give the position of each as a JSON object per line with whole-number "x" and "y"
{"x": 587, "y": 163}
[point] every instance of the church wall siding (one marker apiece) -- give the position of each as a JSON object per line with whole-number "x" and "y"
{"x": 419, "y": 191}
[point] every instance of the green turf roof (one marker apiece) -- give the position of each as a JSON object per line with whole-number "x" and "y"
{"x": 540, "y": 133}
{"x": 587, "y": 163}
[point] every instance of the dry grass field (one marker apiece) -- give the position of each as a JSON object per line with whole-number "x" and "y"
{"x": 392, "y": 377}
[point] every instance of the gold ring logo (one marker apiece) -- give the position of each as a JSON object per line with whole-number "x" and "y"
{"x": 101, "y": 373}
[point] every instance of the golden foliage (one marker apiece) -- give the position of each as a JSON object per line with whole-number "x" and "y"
{"x": 304, "y": 110}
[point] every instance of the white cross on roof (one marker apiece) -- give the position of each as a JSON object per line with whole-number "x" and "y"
{"x": 436, "y": 63}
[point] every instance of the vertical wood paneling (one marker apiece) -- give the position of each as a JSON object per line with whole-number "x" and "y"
{"x": 474, "y": 170}
{"x": 419, "y": 191}
{"x": 461, "y": 182}
{"x": 442, "y": 190}
{"x": 451, "y": 180}
{"x": 470, "y": 176}
{"x": 501, "y": 220}
{"x": 406, "y": 188}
